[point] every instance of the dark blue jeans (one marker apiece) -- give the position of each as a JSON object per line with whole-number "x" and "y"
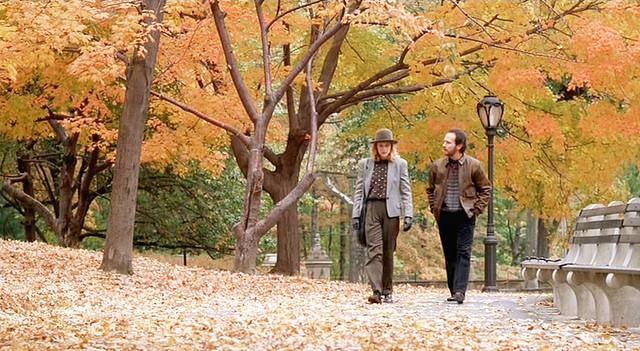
{"x": 456, "y": 236}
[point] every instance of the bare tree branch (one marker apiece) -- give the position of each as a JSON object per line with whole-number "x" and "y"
{"x": 234, "y": 132}
{"x": 574, "y": 10}
{"x": 48, "y": 187}
{"x": 84, "y": 200}
{"x": 335, "y": 191}
{"x": 278, "y": 7}
{"x": 58, "y": 129}
{"x": 314, "y": 118}
{"x": 331, "y": 60}
{"x": 229, "y": 128}
{"x": 372, "y": 94}
{"x": 290, "y": 100}
{"x": 262, "y": 226}
{"x": 299, "y": 67}
{"x": 232, "y": 64}
{"x": 409, "y": 46}
{"x": 28, "y": 201}
{"x": 455, "y": 3}
{"x": 279, "y": 16}
{"x": 550, "y": 7}
{"x": 398, "y": 111}
{"x": 344, "y": 97}
{"x": 266, "y": 53}
{"x": 507, "y": 48}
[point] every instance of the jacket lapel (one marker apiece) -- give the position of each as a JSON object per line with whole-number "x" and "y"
{"x": 368, "y": 172}
{"x": 391, "y": 174}
{"x": 462, "y": 174}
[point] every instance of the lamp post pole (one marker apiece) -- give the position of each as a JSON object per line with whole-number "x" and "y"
{"x": 490, "y": 241}
{"x": 490, "y": 110}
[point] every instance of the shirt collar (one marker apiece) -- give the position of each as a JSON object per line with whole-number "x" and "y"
{"x": 461, "y": 160}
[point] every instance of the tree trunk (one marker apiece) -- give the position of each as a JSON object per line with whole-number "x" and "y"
{"x": 288, "y": 243}
{"x": 72, "y": 233}
{"x": 118, "y": 249}
{"x": 246, "y": 252}
{"x": 315, "y": 223}
{"x": 356, "y": 251}
{"x": 29, "y": 212}
{"x": 343, "y": 231}
{"x": 542, "y": 248}
{"x": 67, "y": 189}
{"x": 532, "y": 235}
{"x": 356, "y": 260}
{"x": 515, "y": 246}
{"x": 330, "y": 243}
{"x": 280, "y": 184}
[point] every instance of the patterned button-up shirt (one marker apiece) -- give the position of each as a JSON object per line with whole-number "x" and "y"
{"x": 379, "y": 181}
{"x": 452, "y": 199}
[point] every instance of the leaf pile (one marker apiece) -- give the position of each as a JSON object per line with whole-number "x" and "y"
{"x": 56, "y": 298}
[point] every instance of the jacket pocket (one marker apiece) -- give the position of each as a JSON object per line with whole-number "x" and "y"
{"x": 470, "y": 192}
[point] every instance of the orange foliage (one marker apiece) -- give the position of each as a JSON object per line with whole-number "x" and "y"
{"x": 542, "y": 127}
{"x": 564, "y": 147}
{"x": 78, "y": 73}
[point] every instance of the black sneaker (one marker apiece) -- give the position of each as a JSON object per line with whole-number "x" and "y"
{"x": 376, "y": 297}
{"x": 451, "y": 298}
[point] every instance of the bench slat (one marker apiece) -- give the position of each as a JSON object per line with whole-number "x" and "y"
{"x": 602, "y": 269}
{"x": 604, "y": 224}
{"x": 584, "y": 267}
{"x": 596, "y": 239}
{"x": 629, "y": 239}
{"x": 542, "y": 264}
{"x": 632, "y": 222}
{"x": 633, "y": 207}
{"x": 622, "y": 270}
{"x": 602, "y": 211}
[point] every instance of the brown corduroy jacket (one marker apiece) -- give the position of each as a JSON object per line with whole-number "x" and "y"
{"x": 475, "y": 188}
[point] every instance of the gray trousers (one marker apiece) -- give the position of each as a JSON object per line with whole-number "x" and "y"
{"x": 381, "y": 232}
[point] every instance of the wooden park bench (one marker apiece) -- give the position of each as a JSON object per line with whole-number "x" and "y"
{"x": 599, "y": 278}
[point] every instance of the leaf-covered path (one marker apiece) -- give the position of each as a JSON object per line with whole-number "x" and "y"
{"x": 55, "y": 298}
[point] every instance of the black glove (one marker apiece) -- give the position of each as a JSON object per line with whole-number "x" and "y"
{"x": 355, "y": 223}
{"x": 407, "y": 224}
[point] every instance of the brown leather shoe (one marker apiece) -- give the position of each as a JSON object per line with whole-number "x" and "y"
{"x": 459, "y": 297}
{"x": 375, "y": 297}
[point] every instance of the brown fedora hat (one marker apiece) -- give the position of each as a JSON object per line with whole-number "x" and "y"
{"x": 384, "y": 135}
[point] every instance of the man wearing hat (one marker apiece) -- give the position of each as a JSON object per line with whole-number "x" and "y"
{"x": 383, "y": 191}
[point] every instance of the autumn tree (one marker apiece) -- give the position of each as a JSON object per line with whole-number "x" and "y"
{"x": 424, "y": 63}
{"x": 374, "y": 49}
{"x": 279, "y": 32}
{"x": 57, "y": 120}
{"x": 62, "y": 80}
{"x": 118, "y": 248}
{"x": 570, "y": 87}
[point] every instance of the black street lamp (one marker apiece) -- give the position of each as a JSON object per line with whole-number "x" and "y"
{"x": 490, "y": 110}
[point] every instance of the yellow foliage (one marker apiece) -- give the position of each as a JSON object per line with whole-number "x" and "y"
{"x": 68, "y": 57}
